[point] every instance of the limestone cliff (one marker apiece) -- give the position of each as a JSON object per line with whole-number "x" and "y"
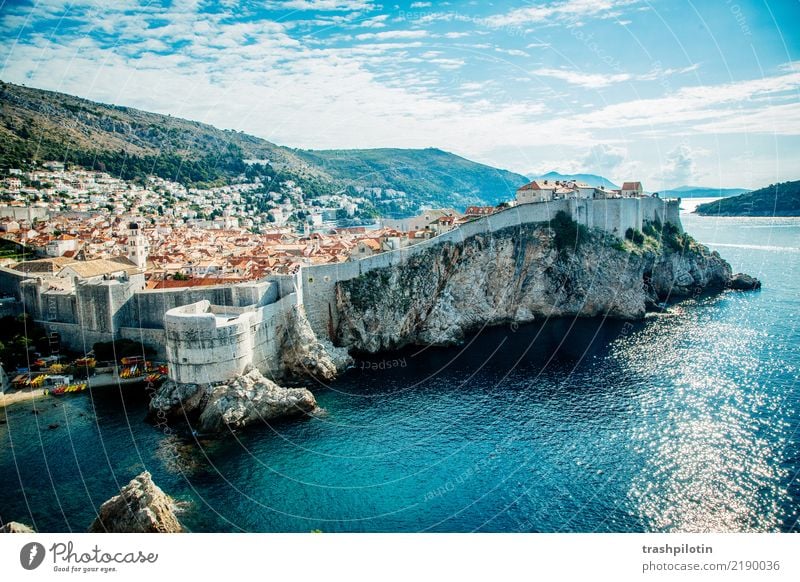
{"x": 248, "y": 399}
{"x": 140, "y": 507}
{"x": 520, "y": 274}
{"x": 303, "y": 354}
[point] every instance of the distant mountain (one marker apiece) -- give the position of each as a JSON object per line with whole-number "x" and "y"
{"x": 431, "y": 176}
{"x": 591, "y": 179}
{"x": 774, "y": 200}
{"x": 702, "y": 192}
{"x": 129, "y": 143}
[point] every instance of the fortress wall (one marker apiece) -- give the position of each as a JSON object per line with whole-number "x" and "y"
{"x": 153, "y": 338}
{"x": 28, "y": 213}
{"x": 59, "y": 306}
{"x": 205, "y": 344}
{"x": 10, "y": 281}
{"x": 77, "y": 337}
{"x": 286, "y": 285}
{"x": 94, "y": 307}
{"x": 614, "y": 215}
{"x": 31, "y": 298}
{"x": 149, "y": 306}
{"x": 267, "y": 328}
{"x": 672, "y": 213}
{"x": 202, "y": 348}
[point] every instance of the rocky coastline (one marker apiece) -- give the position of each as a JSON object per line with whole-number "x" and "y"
{"x": 523, "y": 274}
{"x": 519, "y": 274}
{"x": 140, "y": 507}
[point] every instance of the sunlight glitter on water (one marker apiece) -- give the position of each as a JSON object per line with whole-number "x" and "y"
{"x": 710, "y": 461}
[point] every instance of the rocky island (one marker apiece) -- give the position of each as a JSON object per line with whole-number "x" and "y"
{"x": 242, "y": 401}
{"x": 140, "y": 507}
{"x": 775, "y": 200}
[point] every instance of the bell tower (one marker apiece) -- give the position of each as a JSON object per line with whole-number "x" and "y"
{"x": 137, "y": 246}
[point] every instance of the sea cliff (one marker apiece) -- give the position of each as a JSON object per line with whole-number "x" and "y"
{"x": 521, "y": 274}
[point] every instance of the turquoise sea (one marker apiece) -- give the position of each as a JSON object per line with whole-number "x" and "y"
{"x": 687, "y": 421}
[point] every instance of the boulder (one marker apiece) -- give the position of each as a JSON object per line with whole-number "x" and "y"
{"x": 176, "y": 400}
{"x": 248, "y": 399}
{"x": 251, "y": 399}
{"x": 744, "y": 282}
{"x": 15, "y": 527}
{"x": 140, "y": 507}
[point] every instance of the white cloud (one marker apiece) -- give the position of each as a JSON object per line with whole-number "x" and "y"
{"x": 392, "y": 34}
{"x": 512, "y": 52}
{"x": 582, "y": 79}
{"x": 696, "y": 104}
{"x": 772, "y": 120}
{"x": 604, "y": 158}
{"x": 322, "y": 5}
{"x": 568, "y": 9}
{"x": 679, "y": 167}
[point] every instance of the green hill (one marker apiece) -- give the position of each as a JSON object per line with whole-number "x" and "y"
{"x": 774, "y": 200}
{"x": 37, "y": 125}
{"x": 702, "y": 192}
{"x": 430, "y": 176}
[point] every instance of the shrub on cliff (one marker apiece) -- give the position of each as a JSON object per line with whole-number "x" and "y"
{"x": 674, "y": 239}
{"x": 568, "y": 233}
{"x": 652, "y": 229}
{"x": 634, "y": 236}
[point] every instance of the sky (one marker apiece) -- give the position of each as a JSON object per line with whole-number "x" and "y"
{"x": 669, "y": 92}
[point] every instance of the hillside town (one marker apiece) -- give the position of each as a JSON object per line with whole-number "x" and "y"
{"x": 60, "y": 219}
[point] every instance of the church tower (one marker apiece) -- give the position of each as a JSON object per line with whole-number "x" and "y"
{"x": 137, "y": 246}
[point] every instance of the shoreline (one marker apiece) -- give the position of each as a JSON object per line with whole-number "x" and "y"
{"x": 19, "y": 396}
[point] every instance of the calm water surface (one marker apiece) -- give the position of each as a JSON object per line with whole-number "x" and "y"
{"x": 688, "y": 421}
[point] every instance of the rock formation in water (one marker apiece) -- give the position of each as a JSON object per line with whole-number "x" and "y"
{"x": 140, "y": 507}
{"x": 15, "y": 527}
{"x": 744, "y": 282}
{"x": 249, "y": 399}
{"x": 521, "y": 274}
{"x": 305, "y": 355}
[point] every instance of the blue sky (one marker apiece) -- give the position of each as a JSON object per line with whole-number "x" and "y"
{"x": 666, "y": 91}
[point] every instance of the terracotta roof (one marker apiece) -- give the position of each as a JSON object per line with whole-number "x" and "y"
{"x": 100, "y": 267}
{"x": 538, "y": 185}
{"x": 632, "y": 186}
{"x": 196, "y": 282}
{"x": 44, "y": 266}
